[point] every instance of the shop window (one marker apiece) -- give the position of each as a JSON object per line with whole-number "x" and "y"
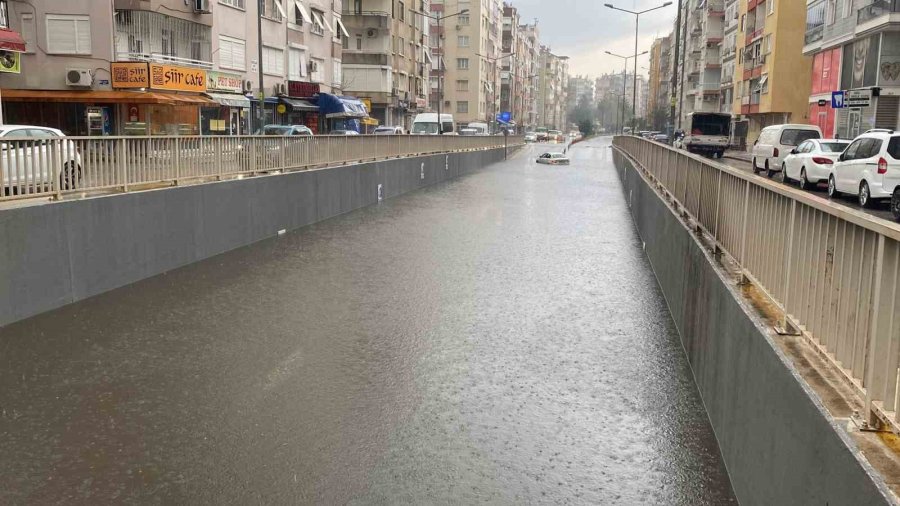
{"x": 4, "y": 14}
{"x": 68, "y": 34}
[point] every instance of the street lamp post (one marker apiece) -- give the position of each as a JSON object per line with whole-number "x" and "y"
{"x": 624, "y": 83}
{"x": 637, "y": 15}
{"x": 438, "y": 19}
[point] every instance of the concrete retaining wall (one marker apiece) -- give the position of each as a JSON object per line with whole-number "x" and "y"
{"x": 57, "y": 253}
{"x": 779, "y": 443}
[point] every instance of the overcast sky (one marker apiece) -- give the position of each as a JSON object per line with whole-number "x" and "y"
{"x": 584, "y": 29}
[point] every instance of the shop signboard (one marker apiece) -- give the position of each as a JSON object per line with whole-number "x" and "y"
{"x": 174, "y": 78}
{"x": 858, "y": 98}
{"x": 301, "y": 89}
{"x": 10, "y": 62}
{"x": 130, "y": 75}
{"x": 218, "y": 81}
{"x": 368, "y": 103}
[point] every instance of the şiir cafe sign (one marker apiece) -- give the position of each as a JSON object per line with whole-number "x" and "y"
{"x": 158, "y": 76}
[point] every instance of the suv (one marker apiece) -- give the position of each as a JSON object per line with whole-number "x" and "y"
{"x": 870, "y": 169}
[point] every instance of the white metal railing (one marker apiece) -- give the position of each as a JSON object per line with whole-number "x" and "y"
{"x": 832, "y": 272}
{"x": 77, "y": 166}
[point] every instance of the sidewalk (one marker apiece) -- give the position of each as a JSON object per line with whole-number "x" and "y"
{"x": 738, "y": 155}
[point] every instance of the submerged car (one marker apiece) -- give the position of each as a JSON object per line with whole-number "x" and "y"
{"x": 553, "y": 159}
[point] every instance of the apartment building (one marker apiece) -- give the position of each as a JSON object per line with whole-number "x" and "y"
{"x": 166, "y": 67}
{"x": 772, "y": 78}
{"x": 470, "y": 56}
{"x": 554, "y": 85}
{"x": 853, "y": 46}
{"x": 518, "y": 69}
{"x": 387, "y": 58}
{"x": 703, "y": 32}
{"x": 658, "y": 86}
{"x": 728, "y": 53}
{"x": 529, "y": 61}
{"x": 581, "y": 89}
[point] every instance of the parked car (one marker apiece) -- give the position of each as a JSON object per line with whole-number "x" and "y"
{"x": 555, "y": 135}
{"x": 389, "y": 130}
{"x": 870, "y": 169}
{"x": 468, "y": 132}
{"x": 32, "y": 156}
{"x": 553, "y": 159}
{"x": 776, "y": 142}
{"x": 811, "y": 162}
{"x": 661, "y": 137}
{"x": 343, "y": 132}
{"x": 284, "y": 130}
{"x": 480, "y": 128}
{"x": 530, "y": 137}
{"x": 426, "y": 123}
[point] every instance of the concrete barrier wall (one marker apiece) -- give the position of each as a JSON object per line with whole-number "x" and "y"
{"x": 779, "y": 443}
{"x": 57, "y": 253}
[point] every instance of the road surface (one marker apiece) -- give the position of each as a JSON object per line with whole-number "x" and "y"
{"x": 495, "y": 339}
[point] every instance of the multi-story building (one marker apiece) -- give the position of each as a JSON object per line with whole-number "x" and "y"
{"x": 853, "y": 47}
{"x": 580, "y": 88}
{"x": 703, "y": 32}
{"x": 512, "y": 83}
{"x": 728, "y": 53}
{"x": 554, "y": 84}
{"x": 772, "y": 76}
{"x": 659, "y": 57}
{"x": 387, "y": 58}
{"x": 529, "y": 68}
{"x": 163, "y": 67}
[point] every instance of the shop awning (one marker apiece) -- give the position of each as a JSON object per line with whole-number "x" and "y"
{"x": 299, "y": 105}
{"x": 370, "y": 121}
{"x": 334, "y": 106}
{"x": 11, "y": 41}
{"x": 103, "y": 96}
{"x": 230, "y": 99}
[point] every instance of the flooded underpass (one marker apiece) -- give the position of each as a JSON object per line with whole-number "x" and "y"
{"x": 497, "y": 339}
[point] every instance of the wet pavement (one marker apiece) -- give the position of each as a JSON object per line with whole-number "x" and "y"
{"x": 496, "y": 339}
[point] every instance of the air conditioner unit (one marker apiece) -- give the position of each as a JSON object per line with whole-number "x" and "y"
{"x": 458, "y": 27}
{"x": 395, "y": 92}
{"x": 247, "y": 86}
{"x": 201, "y": 6}
{"x": 372, "y": 33}
{"x": 279, "y": 89}
{"x": 312, "y": 67}
{"x": 79, "y": 77}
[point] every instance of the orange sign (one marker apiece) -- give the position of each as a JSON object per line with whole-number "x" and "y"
{"x": 170, "y": 77}
{"x": 130, "y": 75}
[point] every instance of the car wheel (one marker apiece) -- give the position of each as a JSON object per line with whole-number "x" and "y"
{"x": 753, "y": 165}
{"x": 769, "y": 171}
{"x": 784, "y": 177}
{"x": 804, "y": 183}
{"x": 895, "y": 204}
{"x": 865, "y": 199}
{"x": 70, "y": 178}
{"x": 832, "y": 188}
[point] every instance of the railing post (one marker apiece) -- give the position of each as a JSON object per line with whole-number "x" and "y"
{"x": 742, "y": 260}
{"x": 788, "y": 266}
{"x": 177, "y": 159}
{"x": 122, "y": 165}
{"x": 718, "y": 201}
{"x": 875, "y": 373}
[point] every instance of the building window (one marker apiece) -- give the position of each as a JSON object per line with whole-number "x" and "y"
{"x": 402, "y": 11}
{"x": 336, "y": 74}
{"x": 298, "y": 14}
{"x": 234, "y": 3}
{"x": 463, "y": 19}
{"x": 462, "y": 85}
{"x": 232, "y": 53}
{"x": 400, "y": 44}
{"x": 318, "y": 70}
{"x": 296, "y": 64}
{"x": 462, "y": 63}
{"x": 462, "y": 106}
{"x": 270, "y": 10}
{"x": 167, "y": 48}
{"x": 359, "y": 42}
{"x": 4, "y": 14}
{"x": 462, "y": 41}
{"x": 67, "y": 34}
{"x": 848, "y": 8}
{"x": 318, "y": 26}
{"x": 273, "y": 61}
{"x": 771, "y": 6}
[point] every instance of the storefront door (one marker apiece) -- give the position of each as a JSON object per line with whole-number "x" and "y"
{"x": 853, "y": 123}
{"x": 235, "y": 123}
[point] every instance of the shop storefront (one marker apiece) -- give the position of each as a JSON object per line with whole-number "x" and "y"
{"x": 300, "y": 109}
{"x": 230, "y": 115}
{"x": 178, "y": 89}
{"x": 340, "y": 112}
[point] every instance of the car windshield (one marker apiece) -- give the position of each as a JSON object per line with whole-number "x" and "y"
{"x": 834, "y": 147}
{"x": 793, "y": 137}
{"x": 425, "y": 128}
{"x": 275, "y": 130}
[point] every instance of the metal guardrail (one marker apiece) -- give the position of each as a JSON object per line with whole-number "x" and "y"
{"x": 833, "y": 272}
{"x": 54, "y": 167}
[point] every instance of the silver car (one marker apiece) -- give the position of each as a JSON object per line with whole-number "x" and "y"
{"x": 553, "y": 159}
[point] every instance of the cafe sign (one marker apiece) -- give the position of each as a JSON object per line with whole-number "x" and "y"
{"x": 217, "y": 81}
{"x": 130, "y": 75}
{"x": 158, "y": 76}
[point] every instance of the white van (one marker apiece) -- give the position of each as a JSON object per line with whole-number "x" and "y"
{"x": 480, "y": 128}
{"x": 775, "y": 144}
{"x": 427, "y": 124}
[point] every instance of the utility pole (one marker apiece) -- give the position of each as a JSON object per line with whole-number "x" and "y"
{"x": 261, "y": 110}
{"x": 675, "y": 67}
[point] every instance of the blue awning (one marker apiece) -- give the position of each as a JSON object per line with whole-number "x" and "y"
{"x": 340, "y": 107}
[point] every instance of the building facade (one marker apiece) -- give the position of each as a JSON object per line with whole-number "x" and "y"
{"x": 554, "y": 85}
{"x": 772, "y": 78}
{"x": 702, "y": 34}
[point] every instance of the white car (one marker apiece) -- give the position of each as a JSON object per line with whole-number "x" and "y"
{"x": 811, "y": 162}
{"x": 530, "y": 137}
{"x": 553, "y": 159}
{"x": 389, "y": 130}
{"x": 32, "y": 157}
{"x": 870, "y": 169}
{"x": 776, "y": 142}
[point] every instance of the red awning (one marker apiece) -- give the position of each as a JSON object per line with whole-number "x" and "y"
{"x": 11, "y": 41}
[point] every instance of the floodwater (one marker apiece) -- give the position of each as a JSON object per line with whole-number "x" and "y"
{"x": 496, "y": 339}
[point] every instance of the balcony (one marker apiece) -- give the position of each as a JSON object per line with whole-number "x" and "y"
{"x": 814, "y": 34}
{"x": 155, "y": 37}
{"x": 879, "y": 10}
{"x": 363, "y": 58}
{"x": 366, "y": 19}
